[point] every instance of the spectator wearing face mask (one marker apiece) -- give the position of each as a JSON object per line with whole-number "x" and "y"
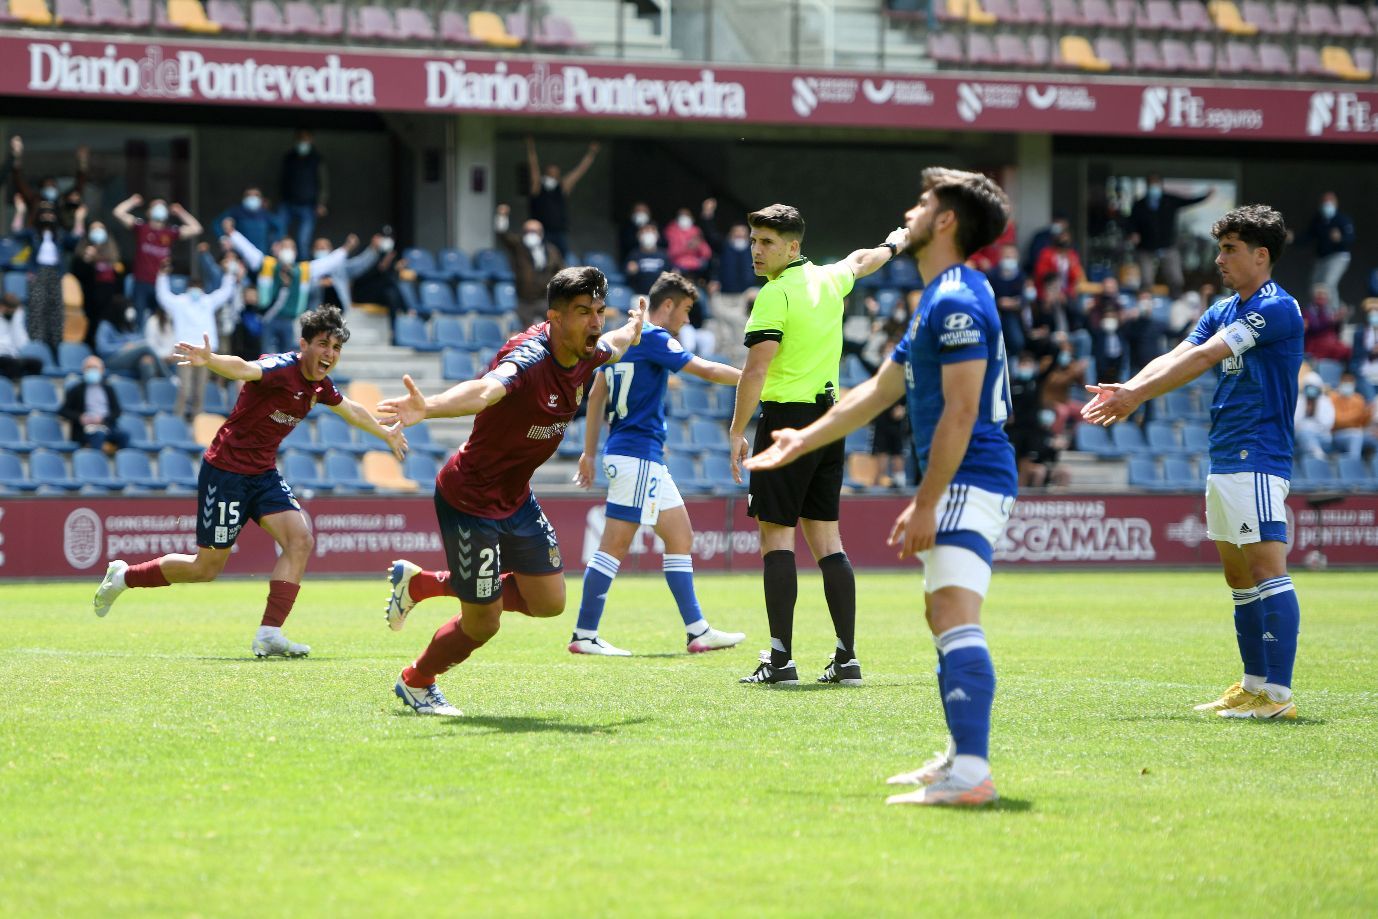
{"x": 14, "y": 336}
{"x": 1153, "y": 233}
{"x": 687, "y": 247}
{"x": 1108, "y": 347}
{"x": 304, "y": 190}
{"x": 1323, "y": 328}
{"x": 1007, "y": 283}
{"x": 153, "y": 242}
{"x": 92, "y": 410}
{"x": 194, "y": 316}
{"x": 735, "y": 278}
{"x": 1332, "y": 235}
{"x": 534, "y": 259}
{"x": 1030, "y": 424}
{"x": 50, "y": 245}
{"x": 335, "y": 288}
{"x": 378, "y": 284}
{"x": 48, "y": 191}
{"x": 1063, "y": 375}
{"x": 646, "y": 261}
{"x": 1364, "y": 360}
{"x": 1353, "y": 415}
{"x": 121, "y": 344}
{"x": 1142, "y": 334}
{"x": 1060, "y": 259}
{"x": 100, "y": 274}
{"x": 1314, "y": 419}
{"x": 629, "y": 235}
{"x": 547, "y": 193}
{"x": 1043, "y": 238}
{"x": 252, "y": 217}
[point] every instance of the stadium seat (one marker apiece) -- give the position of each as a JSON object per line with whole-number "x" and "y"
{"x": 619, "y": 297}
{"x": 414, "y": 25}
{"x": 572, "y": 444}
{"x": 685, "y": 473}
{"x": 487, "y": 333}
{"x": 17, "y": 283}
{"x": 1147, "y": 56}
{"x": 12, "y": 475}
{"x": 229, "y": 15}
{"x": 709, "y": 435}
{"x": 853, "y": 372}
{"x": 491, "y": 30}
{"x": 304, "y": 438}
{"x": 1318, "y": 473}
{"x": 365, "y": 393}
{"x": 1143, "y": 472}
{"x": 32, "y": 12}
{"x": 1092, "y": 438}
{"x": 1329, "y": 371}
{"x": 677, "y": 439}
{"x": 474, "y": 298}
{"x": 717, "y": 471}
{"x": 269, "y": 20}
{"x": 903, "y": 273}
{"x": 420, "y": 467}
{"x": 300, "y": 471}
{"x": 1162, "y": 438}
{"x": 135, "y": 469}
{"x": 383, "y": 471}
{"x": 1110, "y": 48}
{"x": 458, "y": 365}
{"x": 49, "y": 432}
{"x": 372, "y": 22}
{"x": 131, "y": 396}
{"x": 944, "y": 48}
{"x": 205, "y": 426}
{"x": 336, "y": 434}
{"x": 1280, "y": 19}
{"x": 1074, "y": 52}
{"x": 1355, "y": 474}
{"x": 1319, "y": 19}
{"x": 48, "y": 468}
{"x": 981, "y": 50}
{"x": 70, "y": 354}
{"x": 11, "y": 438}
{"x": 412, "y": 332}
{"x": 1068, "y": 14}
{"x": 171, "y": 431}
{"x": 92, "y": 468}
{"x": 190, "y": 16}
{"x": 1228, "y": 19}
{"x": 1274, "y": 59}
{"x": 10, "y": 403}
{"x": 43, "y": 353}
{"x": 1353, "y": 22}
{"x": 1196, "y": 439}
{"x": 493, "y": 264}
{"x": 451, "y": 332}
{"x": 437, "y": 297}
{"x": 176, "y": 468}
{"x": 505, "y": 296}
{"x": 457, "y": 265}
{"x": 605, "y": 263}
{"x": 454, "y": 29}
{"x": 161, "y": 394}
{"x": 1127, "y": 438}
{"x": 423, "y": 263}
{"x": 343, "y": 471}
{"x": 1179, "y": 474}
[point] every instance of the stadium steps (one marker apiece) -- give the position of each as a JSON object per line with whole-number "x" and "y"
{"x": 1087, "y": 473}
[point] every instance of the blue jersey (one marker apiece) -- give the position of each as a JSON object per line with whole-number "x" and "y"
{"x": 636, "y": 394}
{"x": 1256, "y": 394}
{"x": 957, "y": 322}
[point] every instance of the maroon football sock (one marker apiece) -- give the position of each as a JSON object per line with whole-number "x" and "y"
{"x": 281, "y": 596}
{"x": 146, "y": 574}
{"x": 512, "y": 599}
{"x": 428, "y": 584}
{"x": 449, "y": 646}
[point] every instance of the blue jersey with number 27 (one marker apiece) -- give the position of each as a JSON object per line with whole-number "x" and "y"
{"x": 957, "y": 322}
{"x": 636, "y": 394}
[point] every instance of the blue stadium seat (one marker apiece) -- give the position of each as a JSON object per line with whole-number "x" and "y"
{"x": 131, "y": 396}
{"x": 419, "y": 440}
{"x": 92, "y": 468}
{"x": 859, "y": 441}
{"x": 48, "y": 468}
{"x": 218, "y": 400}
{"x": 1092, "y": 438}
{"x": 336, "y": 434}
{"x": 1330, "y": 371}
{"x": 698, "y": 402}
{"x": 133, "y": 466}
{"x": 9, "y": 249}
{"x": 134, "y": 426}
{"x": 451, "y": 332}
{"x": 418, "y": 466}
{"x": 1196, "y": 439}
{"x": 493, "y": 264}
{"x": 1143, "y": 472}
{"x": 853, "y": 372}
{"x": 176, "y": 468}
{"x": 717, "y": 471}
{"x": 1128, "y": 438}
{"x": 300, "y": 471}
{"x": 1162, "y": 438}
{"x": 39, "y": 394}
{"x": 161, "y": 394}
{"x": 422, "y": 262}
{"x": 9, "y": 399}
{"x": 70, "y": 354}
{"x": 1179, "y": 474}
{"x": 411, "y": 332}
{"x": 11, "y": 438}
{"x": 572, "y": 444}
{"x": 303, "y": 437}
{"x": 438, "y": 297}
{"x": 1356, "y": 474}
{"x": 474, "y": 297}
{"x": 1317, "y": 472}
{"x": 17, "y": 283}
{"x": 903, "y": 273}
{"x": 343, "y": 470}
{"x": 677, "y": 439}
{"x": 410, "y": 300}
{"x": 685, "y": 473}
{"x": 619, "y": 297}
{"x": 12, "y": 474}
{"x": 605, "y": 263}
{"x": 458, "y": 365}
{"x": 505, "y": 296}
{"x": 887, "y": 298}
{"x": 49, "y": 432}
{"x": 709, "y": 435}
{"x": 1178, "y": 405}
{"x": 171, "y": 431}
{"x": 485, "y": 332}
{"x": 457, "y": 264}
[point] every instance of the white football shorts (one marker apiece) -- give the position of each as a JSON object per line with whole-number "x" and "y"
{"x": 638, "y": 489}
{"x": 970, "y": 521}
{"x": 1246, "y": 507}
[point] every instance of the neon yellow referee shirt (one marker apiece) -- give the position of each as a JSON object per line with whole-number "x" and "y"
{"x": 802, "y": 310}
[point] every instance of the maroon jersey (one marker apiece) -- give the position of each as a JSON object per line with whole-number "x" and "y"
{"x": 267, "y": 410}
{"x": 490, "y": 476}
{"x": 151, "y": 247}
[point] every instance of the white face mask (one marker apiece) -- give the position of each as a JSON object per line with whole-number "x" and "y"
{"x": 648, "y": 240}
{"x": 741, "y": 243}
{"x": 1346, "y": 389}
{"x": 385, "y": 244}
{"x": 1327, "y": 210}
{"x": 531, "y": 240}
{"x": 157, "y": 212}
{"x": 92, "y": 375}
{"x": 303, "y": 147}
{"x": 97, "y": 236}
{"x": 641, "y": 218}
{"x": 50, "y": 193}
{"x": 287, "y": 256}
{"x": 319, "y": 253}
{"x": 1110, "y": 324}
{"x": 550, "y": 183}
{"x": 1009, "y": 265}
{"x": 684, "y": 221}
{"x": 252, "y": 202}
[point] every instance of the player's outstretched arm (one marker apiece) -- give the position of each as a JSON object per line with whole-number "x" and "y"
{"x": 467, "y": 398}
{"x": 228, "y": 366}
{"x": 629, "y": 333}
{"x": 593, "y": 426}
{"x": 868, "y": 261}
{"x": 1115, "y": 402}
{"x": 857, "y": 408}
{"x": 359, "y": 417}
{"x": 713, "y": 371}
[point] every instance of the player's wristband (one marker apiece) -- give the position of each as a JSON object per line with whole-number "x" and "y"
{"x": 894, "y": 249}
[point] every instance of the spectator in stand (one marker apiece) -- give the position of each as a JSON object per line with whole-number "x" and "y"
{"x": 1054, "y": 316}
{"x": 1061, "y": 260}
{"x": 1142, "y": 333}
{"x": 735, "y": 277}
{"x": 246, "y": 338}
{"x": 1108, "y": 348}
{"x": 379, "y": 283}
{"x": 335, "y": 287}
{"x": 161, "y": 335}
{"x": 194, "y": 319}
{"x": 534, "y": 259}
{"x": 629, "y": 236}
{"x": 48, "y": 191}
{"x": 1314, "y": 419}
{"x": 98, "y": 270}
{"x": 92, "y": 410}
{"x": 986, "y": 259}
{"x": 304, "y": 190}
{"x": 687, "y": 247}
{"x": 1029, "y": 423}
{"x": 1044, "y": 238}
{"x": 50, "y": 245}
{"x": 1364, "y": 360}
{"x": 1007, "y": 283}
{"x": 1153, "y": 233}
{"x": 1353, "y": 415}
{"x": 1323, "y": 328}
{"x": 1332, "y": 234}
{"x": 646, "y": 261}
{"x": 153, "y": 241}
{"x": 1063, "y": 376}
{"x": 548, "y": 191}
{"x": 121, "y": 344}
{"x": 252, "y": 217}
{"x": 14, "y": 336}
{"x": 1183, "y": 313}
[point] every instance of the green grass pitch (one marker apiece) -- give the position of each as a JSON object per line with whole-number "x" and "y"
{"x": 149, "y": 766}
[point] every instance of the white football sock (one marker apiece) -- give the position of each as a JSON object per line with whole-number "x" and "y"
{"x": 1277, "y": 693}
{"x": 970, "y": 769}
{"x": 1253, "y": 683}
{"x": 588, "y": 634}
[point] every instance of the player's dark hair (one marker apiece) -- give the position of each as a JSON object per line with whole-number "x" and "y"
{"x": 981, "y": 207}
{"x": 569, "y": 283}
{"x": 671, "y": 284}
{"x": 781, "y": 218}
{"x": 326, "y": 319}
{"x": 1257, "y": 226}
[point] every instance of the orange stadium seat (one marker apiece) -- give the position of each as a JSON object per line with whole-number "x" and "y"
{"x": 489, "y": 28}
{"x": 382, "y": 470}
{"x": 1227, "y": 18}
{"x": 190, "y": 16}
{"x": 1336, "y": 60}
{"x": 1076, "y": 51}
{"x": 365, "y": 393}
{"x": 204, "y": 427}
{"x": 32, "y": 12}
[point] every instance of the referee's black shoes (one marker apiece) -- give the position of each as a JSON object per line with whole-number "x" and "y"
{"x": 768, "y": 673}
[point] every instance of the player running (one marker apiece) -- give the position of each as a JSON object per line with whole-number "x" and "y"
{"x": 950, "y": 366}
{"x": 640, "y": 489}
{"x": 1255, "y": 338}
{"x": 239, "y": 480}
{"x": 502, "y": 551}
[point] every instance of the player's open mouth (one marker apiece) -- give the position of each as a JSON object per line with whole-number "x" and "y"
{"x": 590, "y": 343}
{"x": 324, "y": 366}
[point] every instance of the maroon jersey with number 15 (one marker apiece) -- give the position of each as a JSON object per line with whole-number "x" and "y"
{"x": 490, "y": 476}
{"x": 267, "y": 411}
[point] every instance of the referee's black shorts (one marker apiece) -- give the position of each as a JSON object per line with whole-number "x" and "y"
{"x": 811, "y": 486}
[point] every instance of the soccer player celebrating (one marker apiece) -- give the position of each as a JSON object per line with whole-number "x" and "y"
{"x": 950, "y": 367}
{"x": 794, "y": 341}
{"x": 239, "y": 479}
{"x": 1255, "y": 337}
{"x": 640, "y": 489}
{"x": 502, "y": 551}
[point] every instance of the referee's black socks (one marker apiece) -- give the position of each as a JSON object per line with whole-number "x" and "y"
{"x": 782, "y": 589}
{"x": 839, "y": 589}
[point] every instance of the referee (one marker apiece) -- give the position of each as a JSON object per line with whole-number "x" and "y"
{"x": 794, "y": 342}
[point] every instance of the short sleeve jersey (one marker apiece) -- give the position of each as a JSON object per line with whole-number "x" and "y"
{"x": 490, "y": 476}
{"x": 802, "y": 310}
{"x": 957, "y": 321}
{"x": 1256, "y": 392}
{"x": 266, "y": 411}
{"x": 636, "y": 394}
{"x": 151, "y": 248}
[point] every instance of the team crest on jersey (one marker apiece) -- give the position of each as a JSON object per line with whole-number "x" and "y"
{"x": 555, "y": 556}
{"x": 579, "y": 394}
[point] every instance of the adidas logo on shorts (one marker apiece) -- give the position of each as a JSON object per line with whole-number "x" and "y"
{"x": 1244, "y": 528}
